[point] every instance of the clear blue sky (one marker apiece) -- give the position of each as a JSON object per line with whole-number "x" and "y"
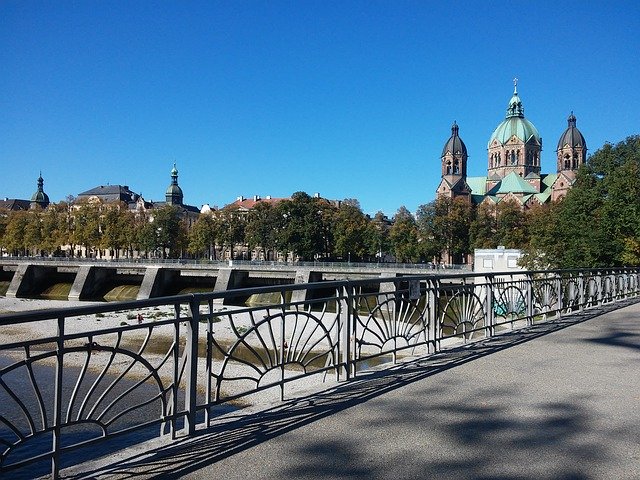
{"x": 351, "y": 99}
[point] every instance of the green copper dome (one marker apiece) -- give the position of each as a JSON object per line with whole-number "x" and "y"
{"x": 174, "y": 195}
{"x": 40, "y": 197}
{"x": 515, "y": 124}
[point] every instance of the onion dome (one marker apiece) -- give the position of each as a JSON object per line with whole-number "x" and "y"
{"x": 515, "y": 124}
{"x": 40, "y": 198}
{"x": 174, "y": 195}
{"x": 572, "y": 136}
{"x": 454, "y": 145}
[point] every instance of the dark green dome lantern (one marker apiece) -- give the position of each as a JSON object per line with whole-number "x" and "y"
{"x": 173, "y": 195}
{"x": 40, "y": 199}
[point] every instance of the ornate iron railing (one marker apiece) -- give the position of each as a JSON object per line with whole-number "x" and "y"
{"x": 69, "y": 382}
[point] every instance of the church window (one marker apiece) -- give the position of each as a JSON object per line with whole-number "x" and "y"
{"x": 567, "y": 164}
{"x": 456, "y": 167}
{"x": 448, "y": 168}
{"x": 513, "y": 157}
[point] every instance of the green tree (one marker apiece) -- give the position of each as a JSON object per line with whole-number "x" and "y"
{"x": 482, "y": 232}
{"x": 597, "y": 224}
{"x": 14, "y": 234}
{"x": 33, "y": 232}
{"x": 511, "y": 225}
{"x": 350, "y": 229}
{"x": 117, "y": 228}
{"x": 86, "y": 226}
{"x": 404, "y": 236}
{"x": 202, "y": 237}
{"x": 261, "y": 228}
{"x": 377, "y": 236}
{"x": 170, "y": 231}
{"x": 302, "y": 231}
{"x": 230, "y": 229}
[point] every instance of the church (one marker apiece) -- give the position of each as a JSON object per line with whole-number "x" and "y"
{"x": 513, "y": 158}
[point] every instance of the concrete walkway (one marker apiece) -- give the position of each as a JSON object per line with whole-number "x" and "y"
{"x": 558, "y": 401}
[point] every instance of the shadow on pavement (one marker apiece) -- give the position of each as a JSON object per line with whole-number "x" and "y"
{"x": 479, "y": 423}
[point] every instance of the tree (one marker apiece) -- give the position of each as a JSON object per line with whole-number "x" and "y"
{"x": 301, "y": 231}
{"x": 202, "y": 237}
{"x": 261, "y": 228}
{"x": 432, "y": 239}
{"x": 117, "y": 227}
{"x": 230, "y": 229}
{"x": 482, "y": 232}
{"x": 404, "y": 236}
{"x": 86, "y": 226}
{"x": 13, "y": 238}
{"x": 452, "y": 223}
{"x": 349, "y": 231}
{"x": 33, "y": 232}
{"x": 597, "y": 224}
{"x": 170, "y": 231}
{"x": 377, "y": 236}
{"x": 511, "y": 227}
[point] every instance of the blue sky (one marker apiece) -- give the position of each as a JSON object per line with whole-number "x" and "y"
{"x": 350, "y": 99}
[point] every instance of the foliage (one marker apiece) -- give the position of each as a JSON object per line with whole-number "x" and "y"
{"x": 203, "y": 236}
{"x": 597, "y": 224}
{"x": 404, "y": 236}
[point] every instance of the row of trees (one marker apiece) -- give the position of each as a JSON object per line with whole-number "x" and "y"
{"x": 92, "y": 230}
{"x": 596, "y": 225}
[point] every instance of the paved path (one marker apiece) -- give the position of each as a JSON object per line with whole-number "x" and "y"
{"x": 559, "y": 401}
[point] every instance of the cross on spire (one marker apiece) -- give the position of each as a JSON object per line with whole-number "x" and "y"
{"x": 515, "y": 85}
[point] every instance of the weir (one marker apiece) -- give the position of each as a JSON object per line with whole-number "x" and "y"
{"x": 97, "y": 280}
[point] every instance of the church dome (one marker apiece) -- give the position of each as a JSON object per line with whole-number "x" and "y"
{"x": 572, "y": 136}
{"x": 174, "y": 195}
{"x": 454, "y": 145}
{"x": 174, "y": 190}
{"x": 515, "y": 124}
{"x": 40, "y": 197}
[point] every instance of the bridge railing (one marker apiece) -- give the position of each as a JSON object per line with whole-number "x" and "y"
{"x": 169, "y": 262}
{"x": 70, "y": 378}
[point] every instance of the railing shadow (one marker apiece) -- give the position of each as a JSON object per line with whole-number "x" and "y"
{"x": 239, "y": 431}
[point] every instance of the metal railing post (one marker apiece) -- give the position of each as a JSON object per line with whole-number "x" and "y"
{"x": 560, "y": 305}
{"x": 57, "y": 401}
{"x": 529, "y": 300}
{"x": 433, "y": 342}
{"x": 489, "y": 313}
{"x": 191, "y": 367}
{"x": 348, "y": 323}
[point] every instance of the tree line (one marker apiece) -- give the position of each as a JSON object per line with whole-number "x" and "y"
{"x": 597, "y": 224}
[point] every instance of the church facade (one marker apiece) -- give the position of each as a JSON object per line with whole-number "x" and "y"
{"x": 513, "y": 163}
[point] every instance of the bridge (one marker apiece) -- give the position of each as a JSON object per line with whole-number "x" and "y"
{"x": 496, "y": 376}
{"x": 90, "y": 279}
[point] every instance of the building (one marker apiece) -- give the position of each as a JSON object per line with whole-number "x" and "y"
{"x": 122, "y": 193}
{"x": 513, "y": 157}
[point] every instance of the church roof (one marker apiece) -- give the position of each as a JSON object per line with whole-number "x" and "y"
{"x": 549, "y": 179}
{"x": 572, "y": 136}
{"x": 513, "y": 183}
{"x": 454, "y": 145}
{"x": 478, "y": 185}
